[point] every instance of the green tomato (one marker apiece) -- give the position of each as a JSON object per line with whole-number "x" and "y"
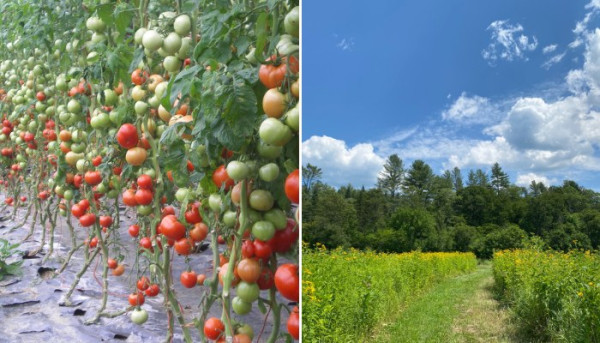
{"x": 237, "y": 170}
{"x": 247, "y": 330}
{"x": 139, "y": 316}
{"x": 229, "y": 218}
{"x": 172, "y": 43}
{"x": 273, "y": 131}
{"x": 247, "y": 292}
{"x": 112, "y": 194}
{"x": 182, "y": 194}
{"x": 152, "y": 40}
{"x": 74, "y": 106}
{"x": 215, "y": 202}
{"x": 68, "y": 195}
{"x": 268, "y": 151}
{"x": 144, "y": 210}
{"x": 292, "y": 118}
{"x": 269, "y": 172}
{"x": 277, "y": 217}
{"x": 240, "y": 306}
{"x": 182, "y": 25}
{"x": 110, "y": 97}
{"x": 263, "y": 230}
{"x": 291, "y": 23}
{"x": 140, "y": 107}
{"x": 261, "y": 200}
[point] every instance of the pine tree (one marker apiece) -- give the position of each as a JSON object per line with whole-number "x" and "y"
{"x": 390, "y": 179}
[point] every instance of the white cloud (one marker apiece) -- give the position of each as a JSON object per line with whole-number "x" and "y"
{"x": 549, "y": 48}
{"x": 470, "y": 110}
{"x": 524, "y": 180}
{"x": 581, "y": 28}
{"x": 553, "y": 60}
{"x": 346, "y": 44}
{"x": 508, "y": 42}
{"x": 358, "y": 165}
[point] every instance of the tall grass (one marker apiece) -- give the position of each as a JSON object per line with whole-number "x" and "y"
{"x": 554, "y": 296}
{"x": 346, "y": 293}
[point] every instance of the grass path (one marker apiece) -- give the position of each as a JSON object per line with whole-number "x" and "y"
{"x": 461, "y": 309}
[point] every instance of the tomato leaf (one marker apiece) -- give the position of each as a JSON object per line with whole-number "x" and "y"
{"x": 261, "y": 36}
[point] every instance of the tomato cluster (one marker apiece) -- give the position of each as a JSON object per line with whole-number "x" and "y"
{"x": 169, "y": 124}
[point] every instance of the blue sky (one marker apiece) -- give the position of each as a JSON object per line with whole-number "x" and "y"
{"x": 455, "y": 83}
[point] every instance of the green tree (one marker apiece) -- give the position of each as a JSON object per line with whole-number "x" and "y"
{"x": 310, "y": 175}
{"x": 418, "y": 183}
{"x": 418, "y": 225}
{"x": 457, "y": 181}
{"x": 499, "y": 180}
{"x": 390, "y": 179}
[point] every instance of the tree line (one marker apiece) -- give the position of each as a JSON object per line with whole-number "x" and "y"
{"x": 414, "y": 209}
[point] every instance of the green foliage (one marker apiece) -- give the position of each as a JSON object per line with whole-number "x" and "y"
{"x": 345, "y": 293}
{"x": 439, "y": 213}
{"x": 554, "y": 297}
{"x": 7, "y": 251}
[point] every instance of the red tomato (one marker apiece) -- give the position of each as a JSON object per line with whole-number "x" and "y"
{"x": 144, "y": 181}
{"x": 87, "y": 219}
{"x": 112, "y": 263}
{"x": 40, "y": 96}
{"x": 213, "y": 328}
{"x": 220, "y": 177}
{"x": 265, "y": 281}
{"x": 293, "y": 323}
{"x": 129, "y": 198}
{"x": 262, "y": 249}
{"x": 136, "y": 299}
{"x": 143, "y": 283}
{"x": 127, "y": 136}
{"x": 143, "y": 196}
{"x": 105, "y": 221}
{"x": 199, "y": 232}
{"x": 188, "y": 279}
{"x": 77, "y": 211}
{"x": 248, "y": 249}
{"x": 96, "y": 161}
{"x": 138, "y": 77}
{"x": 184, "y": 246}
{"x": 287, "y": 281}
{"x": 172, "y": 228}
{"x": 85, "y": 204}
{"x": 134, "y": 230}
{"x": 292, "y": 189}
{"x": 146, "y": 243}
{"x": 93, "y": 178}
{"x": 153, "y": 290}
{"x": 192, "y": 215}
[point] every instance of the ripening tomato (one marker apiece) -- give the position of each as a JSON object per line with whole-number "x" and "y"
{"x": 292, "y": 190}
{"x": 287, "y": 281}
{"x": 129, "y": 198}
{"x": 188, "y": 279}
{"x": 138, "y": 77}
{"x": 184, "y": 246}
{"x": 249, "y": 270}
{"x": 136, "y": 299}
{"x": 40, "y": 96}
{"x": 127, "y": 136}
{"x": 136, "y": 156}
{"x": 199, "y": 232}
{"x": 221, "y": 178}
{"x": 93, "y": 178}
{"x": 274, "y": 103}
{"x": 119, "y": 270}
{"x": 213, "y": 328}
{"x": 167, "y": 210}
{"x": 272, "y": 75}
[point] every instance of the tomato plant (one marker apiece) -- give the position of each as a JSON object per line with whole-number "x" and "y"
{"x": 186, "y": 112}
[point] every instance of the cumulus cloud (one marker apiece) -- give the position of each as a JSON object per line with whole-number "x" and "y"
{"x": 524, "y": 180}
{"x": 508, "y": 42}
{"x": 471, "y": 110}
{"x": 358, "y": 165}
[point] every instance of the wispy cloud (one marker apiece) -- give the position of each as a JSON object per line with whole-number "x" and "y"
{"x": 549, "y": 48}
{"x": 508, "y": 42}
{"x": 343, "y": 43}
{"x": 553, "y": 60}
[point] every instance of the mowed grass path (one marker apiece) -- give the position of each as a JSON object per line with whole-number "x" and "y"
{"x": 461, "y": 309}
